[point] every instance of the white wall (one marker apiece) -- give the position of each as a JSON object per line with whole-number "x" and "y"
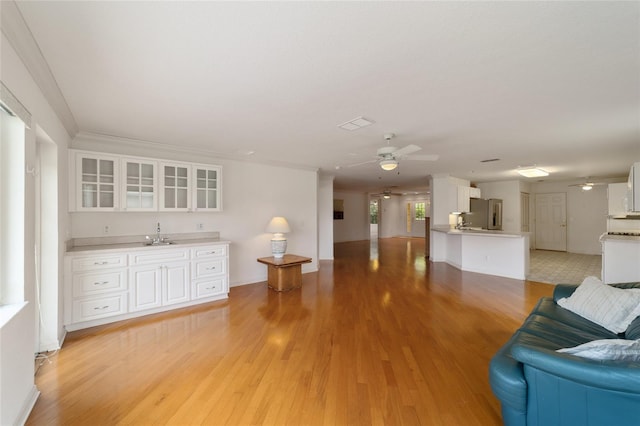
{"x": 252, "y": 195}
{"x": 325, "y": 217}
{"x": 16, "y": 357}
{"x": 355, "y": 225}
{"x": 586, "y": 214}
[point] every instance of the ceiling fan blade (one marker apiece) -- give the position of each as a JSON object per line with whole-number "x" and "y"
{"x": 430, "y": 157}
{"x": 361, "y": 163}
{"x": 409, "y": 149}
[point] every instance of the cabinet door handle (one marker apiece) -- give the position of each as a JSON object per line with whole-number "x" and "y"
{"x": 211, "y": 268}
{"x": 101, "y": 263}
{"x": 100, "y": 308}
{"x": 101, "y": 283}
{"x": 210, "y": 288}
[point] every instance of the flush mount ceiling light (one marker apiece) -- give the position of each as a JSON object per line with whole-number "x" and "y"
{"x": 388, "y": 164}
{"x": 356, "y": 123}
{"x": 532, "y": 172}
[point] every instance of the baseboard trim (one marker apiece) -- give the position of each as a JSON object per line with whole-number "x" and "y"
{"x": 27, "y": 407}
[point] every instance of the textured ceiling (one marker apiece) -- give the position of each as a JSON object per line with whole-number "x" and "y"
{"x": 555, "y": 84}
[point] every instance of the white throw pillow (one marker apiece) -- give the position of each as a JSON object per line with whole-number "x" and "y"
{"x": 607, "y": 349}
{"x": 612, "y": 308}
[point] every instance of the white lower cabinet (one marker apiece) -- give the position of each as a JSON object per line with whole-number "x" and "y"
{"x": 110, "y": 287}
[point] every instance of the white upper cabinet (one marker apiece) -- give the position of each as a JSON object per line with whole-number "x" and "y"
{"x": 175, "y": 184}
{"x": 139, "y": 182}
{"x": 617, "y": 198}
{"x": 108, "y": 182}
{"x": 96, "y": 176}
{"x": 207, "y": 193}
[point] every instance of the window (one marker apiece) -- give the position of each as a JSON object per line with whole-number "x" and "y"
{"x": 420, "y": 211}
{"x": 14, "y": 119}
{"x": 12, "y": 197}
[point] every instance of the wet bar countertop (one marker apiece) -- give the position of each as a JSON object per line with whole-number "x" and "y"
{"x": 108, "y": 244}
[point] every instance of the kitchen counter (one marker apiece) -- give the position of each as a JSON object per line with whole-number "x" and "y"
{"x": 478, "y": 232}
{"x": 500, "y": 253}
{"x": 108, "y": 244}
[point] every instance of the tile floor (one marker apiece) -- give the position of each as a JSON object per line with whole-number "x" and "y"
{"x": 556, "y": 267}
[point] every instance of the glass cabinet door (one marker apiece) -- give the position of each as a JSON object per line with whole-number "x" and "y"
{"x": 140, "y": 185}
{"x": 175, "y": 187}
{"x": 97, "y": 183}
{"x": 207, "y": 188}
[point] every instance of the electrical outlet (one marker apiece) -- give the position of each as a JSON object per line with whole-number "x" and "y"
{"x": 106, "y": 229}
{"x": 200, "y": 226}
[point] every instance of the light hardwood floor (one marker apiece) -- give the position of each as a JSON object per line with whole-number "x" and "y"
{"x": 377, "y": 336}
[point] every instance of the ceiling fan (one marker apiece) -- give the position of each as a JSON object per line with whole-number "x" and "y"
{"x": 386, "y": 194}
{"x": 588, "y": 185}
{"x": 387, "y": 156}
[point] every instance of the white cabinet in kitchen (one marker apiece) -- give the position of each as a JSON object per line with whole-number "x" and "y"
{"x": 97, "y": 287}
{"x": 209, "y": 271}
{"x": 175, "y": 184}
{"x": 107, "y": 182}
{"x": 158, "y": 278}
{"x": 620, "y": 256}
{"x": 96, "y": 182}
{"x": 140, "y": 185}
{"x": 463, "y": 196}
{"x": 617, "y": 198}
{"x": 207, "y": 188}
{"x": 117, "y": 284}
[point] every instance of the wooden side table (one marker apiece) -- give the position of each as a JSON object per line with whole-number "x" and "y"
{"x": 286, "y": 273}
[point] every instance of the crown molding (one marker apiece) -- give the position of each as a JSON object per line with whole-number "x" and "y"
{"x": 15, "y": 28}
{"x": 85, "y": 140}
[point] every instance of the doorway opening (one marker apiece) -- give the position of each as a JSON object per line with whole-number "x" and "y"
{"x": 374, "y": 218}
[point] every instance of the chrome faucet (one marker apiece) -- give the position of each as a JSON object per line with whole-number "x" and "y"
{"x": 157, "y": 240}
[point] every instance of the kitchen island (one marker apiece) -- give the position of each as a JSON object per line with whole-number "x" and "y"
{"x": 505, "y": 254}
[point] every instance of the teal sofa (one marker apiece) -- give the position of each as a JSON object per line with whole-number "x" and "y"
{"x": 538, "y": 386}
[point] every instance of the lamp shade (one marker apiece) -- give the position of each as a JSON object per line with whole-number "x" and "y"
{"x": 278, "y": 225}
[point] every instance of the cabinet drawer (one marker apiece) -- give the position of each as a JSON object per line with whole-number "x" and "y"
{"x": 97, "y": 263}
{"x": 207, "y": 268}
{"x": 207, "y": 288}
{"x": 86, "y": 310}
{"x": 209, "y": 251}
{"x": 158, "y": 256}
{"x": 90, "y": 284}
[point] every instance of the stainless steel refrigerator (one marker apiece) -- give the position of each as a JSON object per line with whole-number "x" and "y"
{"x": 485, "y": 214}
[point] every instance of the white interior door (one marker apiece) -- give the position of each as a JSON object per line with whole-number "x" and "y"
{"x": 551, "y": 221}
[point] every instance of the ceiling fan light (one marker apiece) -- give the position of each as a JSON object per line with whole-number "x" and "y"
{"x": 389, "y": 164}
{"x": 386, "y": 196}
{"x": 587, "y": 187}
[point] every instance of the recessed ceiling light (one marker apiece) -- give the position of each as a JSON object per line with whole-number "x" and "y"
{"x": 532, "y": 172}
{"x": 356, "y": 123}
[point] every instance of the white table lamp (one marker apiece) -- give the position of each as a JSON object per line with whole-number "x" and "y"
{"x": 278, "y": 227}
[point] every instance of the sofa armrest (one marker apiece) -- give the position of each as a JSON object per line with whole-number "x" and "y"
{"x": 611, "y": 375}
{"x": 563, "y": 290}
